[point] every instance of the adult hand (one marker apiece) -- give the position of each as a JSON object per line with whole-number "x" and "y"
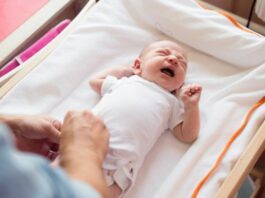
{"x": 37, "y": 134}
{"x": 83, "y": 146}
{"x": 83, "y": 132}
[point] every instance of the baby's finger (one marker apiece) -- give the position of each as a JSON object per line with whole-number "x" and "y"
{"x": 193, "y": 90}
{"x": 198, "y": 88}
{"x": 190, "y": 93}
{"x": 183, "y": 92}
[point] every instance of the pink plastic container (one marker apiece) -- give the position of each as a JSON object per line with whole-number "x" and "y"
{"x": 34, "y": 48}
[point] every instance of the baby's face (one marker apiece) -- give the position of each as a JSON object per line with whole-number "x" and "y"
{"x": 163, "y": 63}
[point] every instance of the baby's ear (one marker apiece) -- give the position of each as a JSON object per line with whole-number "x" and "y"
{"x": 137, "y": 63}
{"x": 137, "y": 66}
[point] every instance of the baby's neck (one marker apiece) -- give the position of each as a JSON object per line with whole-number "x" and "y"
{"x": 172, "y": 92}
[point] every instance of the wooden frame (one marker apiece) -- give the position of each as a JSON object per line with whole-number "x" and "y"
{"x": 26, "y": 67}
{"x": 11, "y": 45}
{"x": 253, "y": 26}
{"x": 243, "y": 165}
{"x": 255, "y": 148}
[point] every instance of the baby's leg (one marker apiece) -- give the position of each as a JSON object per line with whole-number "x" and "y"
{"x": 115, "y": 191}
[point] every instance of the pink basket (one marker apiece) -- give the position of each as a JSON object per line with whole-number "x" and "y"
{"x": 34, "y": 48}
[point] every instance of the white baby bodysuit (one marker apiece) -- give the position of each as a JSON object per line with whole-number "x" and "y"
{"x": 136, "y": 112}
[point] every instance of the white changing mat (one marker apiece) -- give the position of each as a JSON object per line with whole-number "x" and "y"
{"x": 112, "y": 36}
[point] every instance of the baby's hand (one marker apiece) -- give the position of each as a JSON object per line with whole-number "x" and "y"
{"x": 190, "y": 94}
{"x": 128, "y": 71}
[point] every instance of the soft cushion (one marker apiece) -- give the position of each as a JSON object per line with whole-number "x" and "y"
{"x": 206, "y": 30}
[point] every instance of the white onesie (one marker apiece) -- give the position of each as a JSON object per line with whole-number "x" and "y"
{"x": 136, "y": 112}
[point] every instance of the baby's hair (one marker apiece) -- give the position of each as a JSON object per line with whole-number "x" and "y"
{"x": 143, "y": 51}
{"x": 146, "y": 48}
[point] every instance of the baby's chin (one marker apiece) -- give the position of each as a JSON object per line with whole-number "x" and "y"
{"x": 169, "y": 89}
{"x": 173, "y": 90}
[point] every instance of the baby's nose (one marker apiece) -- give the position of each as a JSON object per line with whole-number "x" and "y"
{"x": 172, "y": 60}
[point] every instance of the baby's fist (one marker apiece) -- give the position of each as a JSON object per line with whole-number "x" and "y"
{"x": 190, "y": 94}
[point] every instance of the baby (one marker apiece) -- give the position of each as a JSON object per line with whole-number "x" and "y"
{"x": 139, "y": 103}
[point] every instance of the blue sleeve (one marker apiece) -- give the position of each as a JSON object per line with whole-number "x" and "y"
{"x": 30, "y": 176}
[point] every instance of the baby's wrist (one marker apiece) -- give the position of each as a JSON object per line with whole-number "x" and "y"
{"x": 191, "y": 105}
{"x": 128, "y": 71}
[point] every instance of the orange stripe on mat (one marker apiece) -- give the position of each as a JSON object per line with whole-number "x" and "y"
{"x": 227, "y": 146}
{"x": 230, "y": 18}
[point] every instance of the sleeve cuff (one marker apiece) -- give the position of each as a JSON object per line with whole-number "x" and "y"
{"x": 84, "y": 190}
{"x": 107, "y": 85}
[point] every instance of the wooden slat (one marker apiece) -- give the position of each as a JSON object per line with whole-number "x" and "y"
{"x": 10, "y": 45}
{"x": 253, "y": 26}
{"x": 244, "y": 165}
{"x": 43, "y": 53}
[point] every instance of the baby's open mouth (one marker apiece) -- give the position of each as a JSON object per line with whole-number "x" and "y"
{"x": 168, "y": 72}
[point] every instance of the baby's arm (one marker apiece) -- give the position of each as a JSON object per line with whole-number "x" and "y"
{"x": 97, "y": 81}
{"x": 188, "y": 130}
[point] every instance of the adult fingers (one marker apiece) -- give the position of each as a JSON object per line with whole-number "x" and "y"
{"x": 52, "y": 133}
{"x": 57, "y": 124}
{"x": 49, "y": 150}
{"x": 69, "y": 115}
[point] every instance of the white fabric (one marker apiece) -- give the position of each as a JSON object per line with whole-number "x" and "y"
{"x": 111, "y": 36}
{"x": 205, "y": 30}
{"x": 136, "y": 112}
{"x": 260, "y": 9}
{"x": 119, "y": 178}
